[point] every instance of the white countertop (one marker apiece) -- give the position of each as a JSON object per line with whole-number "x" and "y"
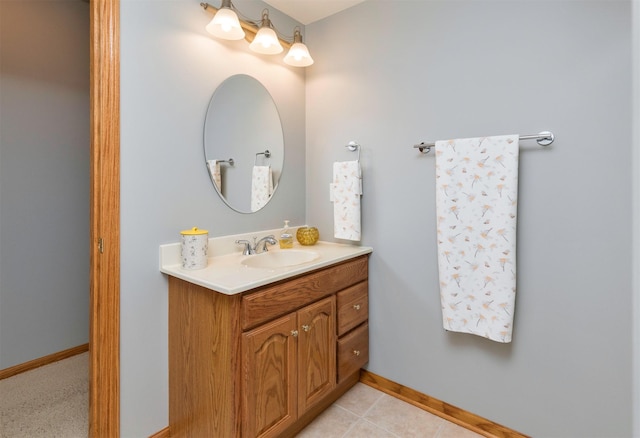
{"x": 226, "y": 274}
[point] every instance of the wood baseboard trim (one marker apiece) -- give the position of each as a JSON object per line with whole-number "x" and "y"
{"x": 46, "y": 360}
{"x": 437, "y": 407}
{"x": 164, "y": 433}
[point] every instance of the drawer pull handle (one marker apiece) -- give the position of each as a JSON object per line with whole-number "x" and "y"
{"x": 356, "y": 306}
{"x": 294, "y": 333}
{"x": 356, "y": 352}
{"x": 306, "y": 328}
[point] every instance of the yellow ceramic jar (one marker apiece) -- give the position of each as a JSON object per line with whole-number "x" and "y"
{"x": 307, "y": 235}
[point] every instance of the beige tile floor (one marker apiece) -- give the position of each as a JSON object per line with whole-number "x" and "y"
{"x": 365, "y": 412}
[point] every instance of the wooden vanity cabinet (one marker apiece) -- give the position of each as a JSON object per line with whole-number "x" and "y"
{"x": 266, "y": 362}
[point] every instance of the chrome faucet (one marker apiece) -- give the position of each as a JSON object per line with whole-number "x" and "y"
{"x": 258, "y": 247}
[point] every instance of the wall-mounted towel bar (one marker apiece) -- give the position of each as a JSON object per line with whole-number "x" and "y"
{"x": 544, "y": 138}
{"x": 230, "y": 161}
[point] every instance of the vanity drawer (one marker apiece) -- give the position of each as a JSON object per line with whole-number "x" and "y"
{"x": 353, "y": 351}
{"x": 273, "y": 301}
{"x": 353, "y": 307}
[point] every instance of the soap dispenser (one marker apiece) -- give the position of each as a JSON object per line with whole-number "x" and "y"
{"x": 286, "y": 238}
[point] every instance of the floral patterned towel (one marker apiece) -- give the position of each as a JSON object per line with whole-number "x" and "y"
{"x": 476, "y": 201}
{"x": 261, "y": 186}
{"x": 345, "y": 195}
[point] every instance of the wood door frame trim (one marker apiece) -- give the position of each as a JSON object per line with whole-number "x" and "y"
{"x": 104, "y": 330}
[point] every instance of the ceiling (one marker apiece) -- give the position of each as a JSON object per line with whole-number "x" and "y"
{"x": 308, "y": 11}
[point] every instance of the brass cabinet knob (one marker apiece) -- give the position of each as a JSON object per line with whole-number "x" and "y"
{"x": 356, "y": 306}
{"x": 294, "y": 333}
{"x": 356, "y": 352}
{"x": 306, "y": 328}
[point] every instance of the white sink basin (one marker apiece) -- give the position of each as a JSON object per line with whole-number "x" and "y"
{"x": 280, "y": 259}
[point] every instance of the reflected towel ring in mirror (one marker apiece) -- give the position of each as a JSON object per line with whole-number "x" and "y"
{"x": 266, "y": 154}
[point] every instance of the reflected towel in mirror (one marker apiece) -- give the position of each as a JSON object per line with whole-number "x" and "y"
{"x": 214, "y": 172}
{"x": 261, "y": 186}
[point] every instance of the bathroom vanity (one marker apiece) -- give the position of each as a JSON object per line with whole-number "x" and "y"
{"x": 266, "y": 360}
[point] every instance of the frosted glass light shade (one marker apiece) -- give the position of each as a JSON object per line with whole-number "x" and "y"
{"x": 266, "y": 42}
{"x": 225, "y": 25}
{"x": 298, "y": 56}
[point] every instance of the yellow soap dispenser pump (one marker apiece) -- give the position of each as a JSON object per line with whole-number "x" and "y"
{"x": 286, "y": 238}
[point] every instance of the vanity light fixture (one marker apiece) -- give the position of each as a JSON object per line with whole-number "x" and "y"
{"x": 266, "y": 40}
{"x": 225, "y": 23}
{"x": 262, "y": 35}
{"x": 298, "y": 55}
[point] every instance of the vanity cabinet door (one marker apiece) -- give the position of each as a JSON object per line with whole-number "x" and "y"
{"x": 289, "y": 365}
{"x": 316, "y": 352}
{"x": 270, "y": 378}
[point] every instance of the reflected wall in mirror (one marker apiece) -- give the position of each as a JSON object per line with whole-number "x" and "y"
{"x": 243, "y": 143}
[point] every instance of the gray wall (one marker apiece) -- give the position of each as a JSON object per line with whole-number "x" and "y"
{"x": 446, "y": 69}
{"x": 170, "y": 67}
{"x": 44, "y": 178}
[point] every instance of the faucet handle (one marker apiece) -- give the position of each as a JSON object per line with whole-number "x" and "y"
{"x": 261, "y": 246}
{"x": 248, "y": 250}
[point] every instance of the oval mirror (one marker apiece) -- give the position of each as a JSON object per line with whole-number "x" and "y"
{"x": 243, "y": 143}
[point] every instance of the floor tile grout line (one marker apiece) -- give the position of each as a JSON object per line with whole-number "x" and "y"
{"x": 380, "y": 397}
{"x": 358, "y": 418}
{"x": 347, "y": 410}
{"x": 379, "y": 427}
{"x": 440, "y": 428}
{"x": 362, "y": 417}
{"x": 442, "y": 422}
{"x": 346, "y": 433}
{"x": 366, "y": 417}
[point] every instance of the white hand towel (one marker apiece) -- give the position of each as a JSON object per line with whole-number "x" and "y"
{"x": 345, "y": 194}
{"x": 476, "y": 202}
{"x": 214, "y": 171}
{"x": 261, "y": 186}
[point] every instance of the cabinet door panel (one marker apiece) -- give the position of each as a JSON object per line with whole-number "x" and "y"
{"x": 316, "y": 352}
{"x": 269, "y": 381}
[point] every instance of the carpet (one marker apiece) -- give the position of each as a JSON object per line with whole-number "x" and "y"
{"x": 51, "y": 401}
